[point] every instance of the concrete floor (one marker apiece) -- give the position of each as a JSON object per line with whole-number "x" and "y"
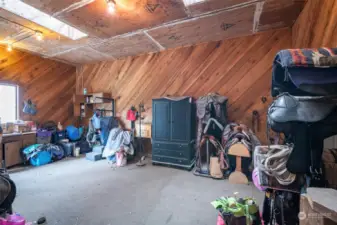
{"x": 78, "y": 192}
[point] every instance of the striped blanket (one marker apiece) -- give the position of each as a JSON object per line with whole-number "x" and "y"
{"x": 321, "y": 57}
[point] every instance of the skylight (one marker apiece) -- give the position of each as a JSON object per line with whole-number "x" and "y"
{"x": 191, "y": 2}
{"x": 30, "y": 13}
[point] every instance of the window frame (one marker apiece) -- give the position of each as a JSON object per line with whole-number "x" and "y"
{"x": 17, "y": 93}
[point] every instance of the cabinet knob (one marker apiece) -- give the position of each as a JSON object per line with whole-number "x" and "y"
{"x": 180, "y": 154}
{"x": 180, "y": 161}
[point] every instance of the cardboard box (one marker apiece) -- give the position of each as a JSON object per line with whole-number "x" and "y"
{"x": 146, "y": 130}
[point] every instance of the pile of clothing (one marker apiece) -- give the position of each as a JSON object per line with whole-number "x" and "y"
{"x": 118, "y": 146}
{"x": 41, "y": 154}
{"x": 99, "y": 128}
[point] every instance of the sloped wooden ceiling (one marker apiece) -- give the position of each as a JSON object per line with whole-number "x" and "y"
{"x": 142, "y": 26}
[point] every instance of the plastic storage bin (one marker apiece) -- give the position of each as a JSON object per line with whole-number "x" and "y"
{"x": 43, "y": 136}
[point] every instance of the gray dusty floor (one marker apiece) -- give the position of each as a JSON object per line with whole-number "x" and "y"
{"x": 82, "y": 192}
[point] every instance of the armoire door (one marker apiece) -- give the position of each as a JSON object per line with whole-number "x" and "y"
{"x": 161, "y": 120}
{"x": 180, "y": 120}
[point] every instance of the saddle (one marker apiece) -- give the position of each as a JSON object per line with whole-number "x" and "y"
{"x": 305, "y": 122}
{"x": 211, "y": 158}
{"x": 287, "y": 108}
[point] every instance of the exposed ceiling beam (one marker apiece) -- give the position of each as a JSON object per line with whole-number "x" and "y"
{"x": 161, "y": 48}
{"x": 192, "y": 2}
{"x": 73, "y": 7}
{"x": 209, "y": 14}
{"x": 102, "y": 53}
{"x": 237, "y": 6}
{"x": 257, "y": 16}
{"x": 66, "y": 51}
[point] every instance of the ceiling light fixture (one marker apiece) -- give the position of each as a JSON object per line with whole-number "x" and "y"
{"x": 111, "y": 6}
{"x": 9, "y": 47}
{"x": 39, "y": 35}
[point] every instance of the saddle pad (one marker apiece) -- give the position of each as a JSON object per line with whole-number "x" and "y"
{"x": 305, "y": 72}
{"x": 322, "y": 57}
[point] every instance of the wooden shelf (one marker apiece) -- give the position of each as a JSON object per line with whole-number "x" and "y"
{"x": 94, "y": 98}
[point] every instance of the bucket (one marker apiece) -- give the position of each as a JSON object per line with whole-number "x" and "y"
{"x": 76, "y": 152}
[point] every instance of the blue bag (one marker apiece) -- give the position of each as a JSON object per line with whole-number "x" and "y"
{"x": 74, "y": 133}
{"x": 41, "y": 158}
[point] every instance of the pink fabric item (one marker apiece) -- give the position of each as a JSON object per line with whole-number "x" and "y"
{"x": 255, "y": 177}
{"x": 120, "y": 159}
{"x": 14, "y": 219}
{"x": 131, "y": 115}
{"x": 220, "y": 221}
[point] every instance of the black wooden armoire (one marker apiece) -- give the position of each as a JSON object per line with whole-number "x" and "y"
{"x": 173, "y": 131}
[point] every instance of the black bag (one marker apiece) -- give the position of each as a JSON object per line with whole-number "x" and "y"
{"x": 7, "y": 194}
{"x": 57, "y": 136}
{"x": 84, "y": 146}
{"x": 282, "y": 207}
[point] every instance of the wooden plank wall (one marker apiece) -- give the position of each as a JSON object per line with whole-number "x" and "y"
{"x": 49, "y": 84}
{"x": 317, "y": 25}
{"x": 239, "y": 68}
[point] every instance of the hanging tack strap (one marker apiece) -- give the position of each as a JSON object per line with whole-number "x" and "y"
{"x": 255, "y": 121}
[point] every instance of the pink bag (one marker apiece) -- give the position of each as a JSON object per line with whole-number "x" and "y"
{"x": 120, "y": 159}
{"x": 13, "y": 219}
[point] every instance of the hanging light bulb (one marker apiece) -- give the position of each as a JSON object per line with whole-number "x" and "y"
{"x": 9, "y": 47}
{"x": 111, "y": 6}
{"x": 38, "y": 35}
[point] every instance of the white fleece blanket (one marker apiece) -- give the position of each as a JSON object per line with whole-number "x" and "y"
{"x": 118, "y": 139}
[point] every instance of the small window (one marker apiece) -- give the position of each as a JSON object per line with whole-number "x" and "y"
{"x": 8, "y": 103}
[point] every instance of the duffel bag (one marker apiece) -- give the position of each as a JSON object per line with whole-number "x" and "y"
{"x": 41, "y": 158}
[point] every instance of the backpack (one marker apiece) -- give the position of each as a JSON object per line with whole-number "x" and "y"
{"x": 29, "y": 107}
